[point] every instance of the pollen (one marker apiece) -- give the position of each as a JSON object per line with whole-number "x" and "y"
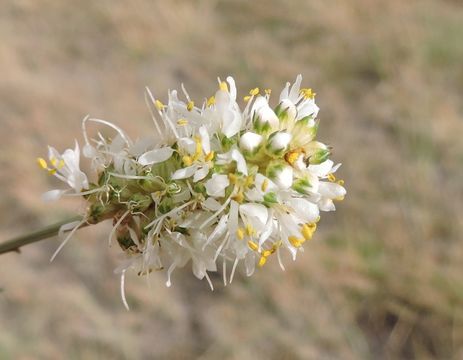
{"x": 240, "y": 233}
{"x": 159, "y": 105}
{"x": 52, "y": 171}
{"x": 190, "y": 105}
{"x": 42, "y": 163}
{"x": 247, "y": 98}
{"x": 182, "y": 122}
{"x": 267, "y": 253}
{"x": 331, "y": 177}
{"x": 254, "y": 92}
{"x": 252, "y": 245}
{"x": 340, "y": 182}
{"x": 223, "y": 86}
{"x": 262, "y": 261}
{"x": 264, "y": 185}
{"x": 210, "y": 101}
{"x": 209, "y": 156}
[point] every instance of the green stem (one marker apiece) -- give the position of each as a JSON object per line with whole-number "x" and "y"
{"x": 49, "y": 231}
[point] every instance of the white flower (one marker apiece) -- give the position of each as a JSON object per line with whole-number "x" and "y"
{"x": 250, "y": 141}
{"x": 216, "y": 185}
{"x": 278, "y": 142}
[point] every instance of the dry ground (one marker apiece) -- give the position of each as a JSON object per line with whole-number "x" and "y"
{"x": 383, "y": 277}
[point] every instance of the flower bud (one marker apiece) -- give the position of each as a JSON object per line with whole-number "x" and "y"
{"x": 278, "y": 143}
{"x": 265, "y": 118}
{"x": 250, "y": 142}
{"x": 286, "y": 110}
{"x": 280, "y": 173}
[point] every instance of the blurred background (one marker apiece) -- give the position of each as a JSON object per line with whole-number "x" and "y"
{"x": 383, "y": 277}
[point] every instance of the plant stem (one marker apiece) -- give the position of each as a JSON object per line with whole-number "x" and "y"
{"x": 49, "y": 231}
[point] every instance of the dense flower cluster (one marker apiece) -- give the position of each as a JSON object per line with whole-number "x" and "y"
{"x": 214, "y": 183}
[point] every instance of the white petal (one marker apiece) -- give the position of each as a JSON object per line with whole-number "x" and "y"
{"x": 331, "y": 190}
{"x": 187, "y": 144}
{"x": 201, "y": 173}
{"x": 52, "y": 195}
{"x": 211, "y": 204}
{"x": 258, "y": 211}
{"x": 249, "y": 141}
{"x": 321, "y": 170}
{"x": 240, "y": 161}
{"x": 305, "y": 210}
{"x": 155, "y": 156}
{"x": 205, "y": 139}
{"x": 184, "y": 172}
{"x": 216, "y": 185}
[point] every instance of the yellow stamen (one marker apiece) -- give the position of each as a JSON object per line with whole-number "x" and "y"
{"x": 262, "y": 261}
{"x": 308, "y": 230}
{"x": 187, "y": 160}
{"x": 53, "y": 161}
{"x": 254, "y": 91}
{"x": 340, "y": 182}
{"x": 264, "y": 185}
{"x": 182, "y": 122}
{"x": 52, "y": 171}
{"x": 210, "y": 156}
{"x": 233, "y": 178}
{"x": 239, "y": 198}
{"x": 199, "y": 148}
{"x": 247, "y": 98}
{"x": 240, "y": 233}
{"x": 60, "y": 164}
{"x": 249, "y": 181}
{"x": 292, "y": 156}
{"x": 295, "y": 241}
{"x": 331, "y": 177}
{"x": 42, "y": 163}
{"x": 249, "y": 230}
{"x": 308, "y": 93}
{"x": 159, "y": 105}
{"x": 210, "y": 101}
{"x": 267, "y": 253}
{"x": 190, "y": 105}
{"x": 223, "y": 86}
{"x": 268, "y": 91}
{"x": 252, "y": 245}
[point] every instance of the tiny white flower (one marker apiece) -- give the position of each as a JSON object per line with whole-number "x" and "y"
{"x": 216, "y": 185}
{"x": 250, "y": 141}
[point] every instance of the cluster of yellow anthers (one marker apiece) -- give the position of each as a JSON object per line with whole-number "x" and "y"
{"x": 215, "y": 183}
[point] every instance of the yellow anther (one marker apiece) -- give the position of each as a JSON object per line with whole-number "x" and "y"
{"x": 52, "y": 171}
{"x": 249, "y": 181}
{"x": 233, "y": 178}
{"x": 267, "y": 253}
{"x": 252, "y": 245}
{"x": 240, "y": 233}
{"x": 308, "y": 93}
{"x": 199, "y": 147}
{"x": 249, "y": 230}
{"x": 190, "y": 105}
{"x": 210, "y": 156}
{"x": 268, "y": 91}
{"x": 340, "y": 182}
{"x": 53, "y": 161}
{"x": 292, "y": 156}
{"x": 187, "y": 160}
{"x": 264, "y": 185}
{"x": 295, "y": 241}
{"x": 42, "y": 163}
{"x": 182, "y": 122}
{"x": 210, "y": 101}
{"x": 239, "y": 198}
{"x": 247, "y": 98}
{"x": 331, "y": 177}
{"x": 262, "y": 261}
{"x": 254, "y": 92}
{"x": 60, "y": 164}
{"x": 308, "y": 230}
{"x": 223, "y": 86}
{"x": 159, "y": 105}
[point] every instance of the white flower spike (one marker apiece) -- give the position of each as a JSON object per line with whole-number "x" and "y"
{"x": 214, "y": 182}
